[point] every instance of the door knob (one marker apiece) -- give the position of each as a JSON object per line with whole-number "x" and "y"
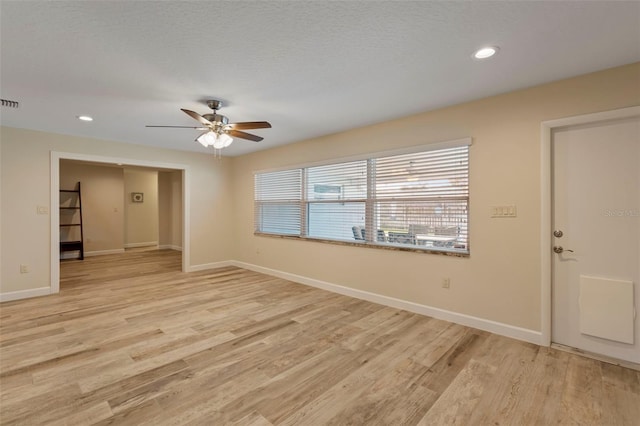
{"x": 557, "y": 233}
{"x": 559, "y": 249}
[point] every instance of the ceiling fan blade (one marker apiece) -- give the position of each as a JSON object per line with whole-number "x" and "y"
{"x": 245, "y": 125}
{"x": 197, "y": 117}
{"x": 182, "y": 127}
{"x": 244, "y": 135}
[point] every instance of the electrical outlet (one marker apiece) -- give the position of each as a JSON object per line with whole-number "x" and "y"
{"x": 42, "y": 210}
{"x": 24, "y": 269}
{"x": 446, "y": 282}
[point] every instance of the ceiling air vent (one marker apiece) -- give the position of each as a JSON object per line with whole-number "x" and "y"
{"x": 10, "y": 104}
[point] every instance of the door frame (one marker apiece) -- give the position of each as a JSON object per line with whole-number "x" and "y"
{"x": 546, "y": 212}
{"x": 55, "y": 203}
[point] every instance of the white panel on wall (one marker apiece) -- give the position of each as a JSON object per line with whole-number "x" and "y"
{"x": 606, "y": 308}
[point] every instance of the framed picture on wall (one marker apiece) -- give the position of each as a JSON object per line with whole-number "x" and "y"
{"x": 137, "y": 197}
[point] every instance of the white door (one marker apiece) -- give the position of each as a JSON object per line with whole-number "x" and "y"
{"x": 596, "y": 226}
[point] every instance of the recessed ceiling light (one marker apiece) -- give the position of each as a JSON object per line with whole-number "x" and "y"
{"x": 85, "y": 118}
{"x": 485, "y": 52}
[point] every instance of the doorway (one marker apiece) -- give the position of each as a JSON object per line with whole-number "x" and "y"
{"x": 594, "y": 235}
{"x": 183, "y": 208}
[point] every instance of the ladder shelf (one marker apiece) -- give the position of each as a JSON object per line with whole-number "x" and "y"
{"x": 71, "y": 238}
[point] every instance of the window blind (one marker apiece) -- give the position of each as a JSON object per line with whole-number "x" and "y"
{"x": 418, "y": 200}
{"x": 335, "y": 199}
{"x": 277, "y": 205}
{"x": 422, "y": 199}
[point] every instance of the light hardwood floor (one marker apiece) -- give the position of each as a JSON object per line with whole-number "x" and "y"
{"x": 132, "y": 340}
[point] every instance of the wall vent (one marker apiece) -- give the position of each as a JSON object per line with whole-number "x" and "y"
{"x": 10, "y": 104}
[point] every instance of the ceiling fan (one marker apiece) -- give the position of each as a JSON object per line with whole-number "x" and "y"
{"x": 218, "y": 132}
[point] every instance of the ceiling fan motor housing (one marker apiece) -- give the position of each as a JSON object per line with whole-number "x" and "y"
{"x": 217, "y": 119}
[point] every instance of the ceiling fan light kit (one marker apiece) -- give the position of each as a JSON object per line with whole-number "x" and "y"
{"x": 218, "y": 131}
{"x": 207, "y": 139}
{"x": 211, "y": 138}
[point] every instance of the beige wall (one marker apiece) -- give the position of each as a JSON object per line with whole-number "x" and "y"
{"x": 25, "y": 184}
{"x": 500, "y": 281}
{"x": 102, "y": 203}
{"x": 170, "y": 213}
{"x": 1, "y": 215}
{"x": 141, "y": 219}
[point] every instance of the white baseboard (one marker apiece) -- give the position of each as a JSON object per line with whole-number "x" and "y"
{"x": 169, "y": 247}
{"x": 25, "y": 294}
{"x": 502, "y": 329}
{"x": 214, "y": 265}
{"x": 145, "y": 244}
{"x": 103, "y": 252}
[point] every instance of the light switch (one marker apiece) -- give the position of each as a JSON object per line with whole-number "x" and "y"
{"x": 504, "y": 211}
{"x": 42, "y": 210}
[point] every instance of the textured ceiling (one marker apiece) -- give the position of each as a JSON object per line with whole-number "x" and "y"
{"x": 310, "y": 68}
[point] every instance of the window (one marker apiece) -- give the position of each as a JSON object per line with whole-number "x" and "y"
{"x": 277, "y": 202}
{"x": 416, "y": 200}
{"x": 332, "y": 218}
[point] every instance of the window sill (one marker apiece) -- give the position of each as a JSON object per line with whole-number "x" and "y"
{"x": 442, "y": 252}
